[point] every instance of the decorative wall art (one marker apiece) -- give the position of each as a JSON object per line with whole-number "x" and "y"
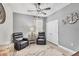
{"x": 72, "y": 18}
{"x": 2, "y": 14}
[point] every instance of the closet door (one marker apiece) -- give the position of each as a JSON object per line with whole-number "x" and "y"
{"x": 52, "y": 31}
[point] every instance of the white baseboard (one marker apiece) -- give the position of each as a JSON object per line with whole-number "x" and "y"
{"x": 64, "y": 48}
{"x": 52, "y": 42}
{"x": 67, "y": 49}
{"x": 4, "y": 43}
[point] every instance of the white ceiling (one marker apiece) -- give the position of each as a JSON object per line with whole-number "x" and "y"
{"x": 23, "y": 7}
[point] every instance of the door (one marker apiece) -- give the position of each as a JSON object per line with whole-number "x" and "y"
{"x": 52, "y": 31}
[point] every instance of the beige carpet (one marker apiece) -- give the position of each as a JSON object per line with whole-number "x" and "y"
{"x": 41, "y": 50}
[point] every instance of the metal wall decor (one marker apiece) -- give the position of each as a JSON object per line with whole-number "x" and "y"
{"x": 72, "y": 18}
{"x": 2, "y": 14}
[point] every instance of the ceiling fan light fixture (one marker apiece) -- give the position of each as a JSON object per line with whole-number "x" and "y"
{"x": 39, "y": 10}
{"x": 47, "y": 8}
{"x": 38, "y": 3}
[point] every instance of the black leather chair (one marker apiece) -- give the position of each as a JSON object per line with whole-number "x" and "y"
{"x": 41, "y": 40}
{"x": 19, "y": 41}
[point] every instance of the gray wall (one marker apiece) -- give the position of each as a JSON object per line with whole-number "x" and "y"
{"x": 22, "y": 23}
{"x": 6, "y": 29}
{"x": 68, "y": 34}
{"x": 44, "y": 24}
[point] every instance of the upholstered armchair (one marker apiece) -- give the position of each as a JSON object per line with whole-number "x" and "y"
{"x": 41, "y": 40}
{"x": 19, "y": 41}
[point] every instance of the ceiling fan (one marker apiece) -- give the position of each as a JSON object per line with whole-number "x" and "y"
{"x": 38, "y": 9}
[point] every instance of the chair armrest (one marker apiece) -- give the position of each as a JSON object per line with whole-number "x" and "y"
{"x": 25, "y": 39}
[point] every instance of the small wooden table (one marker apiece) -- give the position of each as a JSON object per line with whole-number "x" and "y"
{"x": 32, "y": 41}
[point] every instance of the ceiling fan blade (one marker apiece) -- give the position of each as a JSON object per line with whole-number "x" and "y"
{"x": 31, "y": 10}
{"x": 46, "y": 8}
{"x": 43, "y": 13}
{"x": 37, "y": 5}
